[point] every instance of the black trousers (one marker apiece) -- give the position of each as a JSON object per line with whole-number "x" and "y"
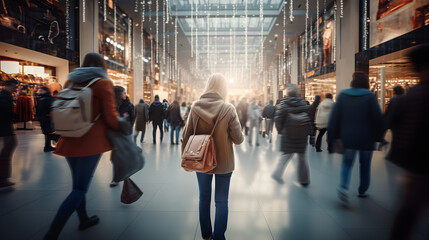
{"x": 319, "y": 138}
{"x": 8, "y": 147}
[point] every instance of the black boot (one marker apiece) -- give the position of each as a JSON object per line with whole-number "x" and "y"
{"x": 89, "y": 223}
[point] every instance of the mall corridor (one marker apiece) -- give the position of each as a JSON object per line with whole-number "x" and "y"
{"x": 335, "y": 93}
{"x": 260, "y": 208}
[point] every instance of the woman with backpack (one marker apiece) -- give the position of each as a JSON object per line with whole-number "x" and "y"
{"x": 83, "y": 153}
{"x": 204, "y": 113}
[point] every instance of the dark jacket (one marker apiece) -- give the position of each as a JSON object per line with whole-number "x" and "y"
{"x": 44, "y": 106}
{"x": 410, "y": 139}
{"x": 312, "y": 113}
{"x": 269, "y": 111}
{"x": 286, "y": 106}
{"x": 173, "y": 115}
{"x": 127, "y": 107}
{"x": 6, "y": 116}
{"x": 356, "y": 119}
{"x": 156, "y": 112}
{"x": 394, "y": 112}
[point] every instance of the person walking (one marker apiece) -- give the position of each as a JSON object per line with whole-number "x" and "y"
{"x": 294, "y": 122}
{"x": 203, "y": 115}
{"x": 142, "y": 117}
{"x": 156, "y": 115}
{"x": 254, "y": 115}
{"x": 166, "y": 105}
{"x": 44, "y": 107}
{"x": 395, "y": 109}
{"x": 268, "y": 113}
{"x": 322, "y": 118}
{"x": 356, "y": 120}
{"x": 175, "y": 120}
{"x": 184, "y": 112}
{"x": 7, "y": 133}
{"x": 83, "y": 153}
{"x": 242, "y": 108}
{"x": 125, "y": 110}
{"x": 125, "y": 107}
{"x": 410, "y": 150}
{"x": 313, "y": 109}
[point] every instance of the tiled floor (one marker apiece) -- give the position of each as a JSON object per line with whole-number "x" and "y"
{"x": 260, "y": 208}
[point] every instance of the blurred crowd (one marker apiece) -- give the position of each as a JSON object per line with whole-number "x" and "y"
{"x": 353, "y": 125}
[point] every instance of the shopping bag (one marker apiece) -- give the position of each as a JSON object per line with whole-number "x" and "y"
{"x": 130, "y": 192}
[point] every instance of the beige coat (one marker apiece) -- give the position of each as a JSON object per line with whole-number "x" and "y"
{"x": 142, "y": 116}
{"x": 227, "y": 132}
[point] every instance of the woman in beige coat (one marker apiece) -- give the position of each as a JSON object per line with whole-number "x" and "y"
{"x": 208, "y": 109}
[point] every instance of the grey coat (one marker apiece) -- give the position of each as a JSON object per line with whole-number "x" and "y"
{"x": 126, "y": 157}
{"x": 286, "y": 106}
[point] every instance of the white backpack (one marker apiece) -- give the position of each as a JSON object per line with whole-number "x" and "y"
{"x": 72, "y": 111}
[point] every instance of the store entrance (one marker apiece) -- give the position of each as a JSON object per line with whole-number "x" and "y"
{"x": 390, "y": 71}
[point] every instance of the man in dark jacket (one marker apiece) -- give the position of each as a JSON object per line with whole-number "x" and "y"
{"x": 293, "y": 120}
{"x": 7, "y": 134}
{"x": 268, "y": 113}
{"x": 410, "y": 149}
{"x": 175, "y": 120}
{"x": 394, "y": 110}
{"x": 156, "y": 115}
{"x": 44, "y": 107}
{"x": 357, "y": 120}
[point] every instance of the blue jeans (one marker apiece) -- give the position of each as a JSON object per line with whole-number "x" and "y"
{"x": 82, "y": 170}
{"x": 365, "y": 157}
{"x": 137, "y": 134}
{"x": 155, "y": 125}
{"x": 177, "y": 130}
{"x": 221, "y": 199}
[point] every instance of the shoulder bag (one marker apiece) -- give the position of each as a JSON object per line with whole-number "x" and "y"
{"x": 199, "y": 154}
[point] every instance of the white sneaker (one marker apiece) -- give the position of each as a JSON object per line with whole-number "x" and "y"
{"x": 343, "y": 194}
{"x": 114, "y": 184}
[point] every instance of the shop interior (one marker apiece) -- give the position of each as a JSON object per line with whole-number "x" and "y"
{"x": 397, "y": 71}
{"x": 320, "y": 85}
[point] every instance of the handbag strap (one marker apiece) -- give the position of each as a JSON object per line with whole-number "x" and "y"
{"x": 214, "y": 127}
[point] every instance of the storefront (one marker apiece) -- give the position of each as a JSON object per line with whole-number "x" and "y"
{"x": 38, "y": 41}
{"x": 393, "y": 30}
{"x": 317, "y": 54}
{"x": 115, "y": 44}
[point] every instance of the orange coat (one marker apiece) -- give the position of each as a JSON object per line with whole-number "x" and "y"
{"x": 96, "y": 140}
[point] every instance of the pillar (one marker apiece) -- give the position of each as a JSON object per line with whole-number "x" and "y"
{"x": 347, "y": 39}
{"x": 382, "y": 87}
{"x": 138, "y": 63}
{"x": 295, "y": 62}
{"x": 88, "y": 30}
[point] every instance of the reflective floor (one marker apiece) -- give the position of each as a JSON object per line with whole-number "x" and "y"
{"x": 260, "y": 208}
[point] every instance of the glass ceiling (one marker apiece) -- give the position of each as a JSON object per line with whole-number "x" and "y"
{"x": 224, "y": 23}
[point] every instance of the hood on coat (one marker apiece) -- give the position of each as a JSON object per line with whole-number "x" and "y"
{"x": 84, "y": 74}
{"x": 295, "y": 101}
{"x": 157, "y": 103}
{"x": 327, "y": 103}
{"x": 356, "y": 92}
{"x": 254, "y": 106}
{"x": 208, "y": 107}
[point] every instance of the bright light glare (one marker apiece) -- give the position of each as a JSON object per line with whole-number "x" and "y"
{"x": 231, "y": 80}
